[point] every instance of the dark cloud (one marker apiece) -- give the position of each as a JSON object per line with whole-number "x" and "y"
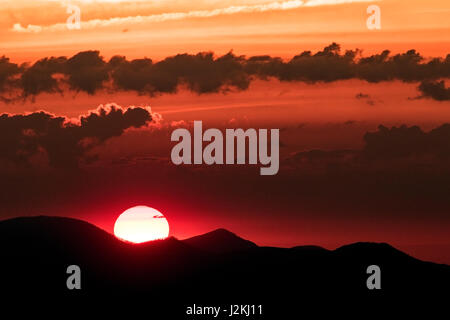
{"x": 327, "y": 65}
{"x": 386, "y": 146}
{"x": 131, "y": 75}
{"x": 64, "y": 142}
{"x": 40, "y": 77}
{"x": 7, "y": 71}
{"x": 404, "y": 141}
{"x": 435, "y": 90}
{"x": 330, "y": 65}
{"x": 204, "y": 72}
{"x": 362, "y": 96}
{"x": 87, "y": 71}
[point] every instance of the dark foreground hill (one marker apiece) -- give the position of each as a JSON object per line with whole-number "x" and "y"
{"x": 218, "y": 267}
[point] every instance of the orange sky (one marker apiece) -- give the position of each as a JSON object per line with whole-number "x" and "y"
{"x": 160, "y": 28}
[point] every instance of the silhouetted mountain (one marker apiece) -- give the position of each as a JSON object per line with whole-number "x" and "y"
{"x": 217, "y": 267}
{"x": 370, "y": 250}
{"x": 220, "y": 241}
{"x": 309, "y": 248}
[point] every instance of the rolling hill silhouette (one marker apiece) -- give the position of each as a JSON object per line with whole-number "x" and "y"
{"x": 218, "y": 241}
{"x": 215, "y": 267}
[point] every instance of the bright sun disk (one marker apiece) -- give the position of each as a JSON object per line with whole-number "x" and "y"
{"x": 141, "y": 224}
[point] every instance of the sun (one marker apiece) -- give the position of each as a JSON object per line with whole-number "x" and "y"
{"x": 141, "y": 224}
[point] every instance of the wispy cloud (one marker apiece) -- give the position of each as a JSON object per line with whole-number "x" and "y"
{"x": 121, "y": 21}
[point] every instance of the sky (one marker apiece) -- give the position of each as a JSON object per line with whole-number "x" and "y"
{"x": 161, "y": 28}
{"x": 89, "y": 137}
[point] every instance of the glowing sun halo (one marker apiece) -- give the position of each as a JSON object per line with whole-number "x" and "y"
{"x": 141, "y": 224}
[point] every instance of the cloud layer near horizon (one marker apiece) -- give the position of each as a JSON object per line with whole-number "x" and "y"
{"x": 205, "y": 73}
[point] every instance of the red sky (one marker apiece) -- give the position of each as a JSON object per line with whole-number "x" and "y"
{"x": 319, "y": 116}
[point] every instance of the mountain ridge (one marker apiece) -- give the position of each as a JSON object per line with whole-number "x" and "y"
{"x": 220, "y": 240}
{"x": 35, "y": 252}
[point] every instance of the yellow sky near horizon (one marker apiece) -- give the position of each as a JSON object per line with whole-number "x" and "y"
{"x": 30, "y": 30}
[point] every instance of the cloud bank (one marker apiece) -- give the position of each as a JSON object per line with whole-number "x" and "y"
{"x": 435, "y": 90}
{"x": 206, "y": 73}
{"x": 60, "y": 141}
